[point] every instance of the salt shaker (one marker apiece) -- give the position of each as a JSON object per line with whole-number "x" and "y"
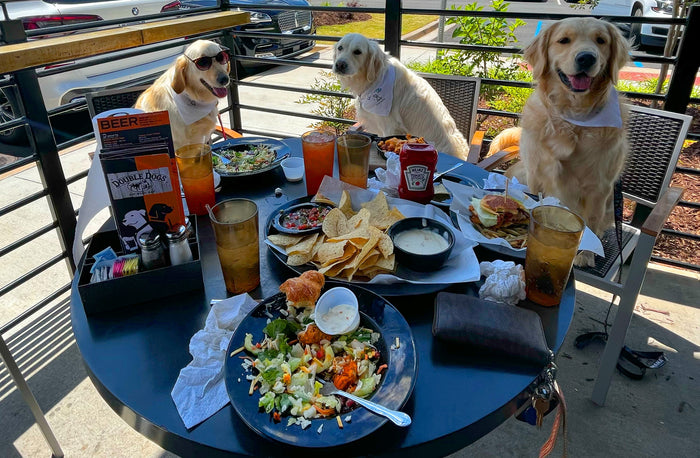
{"x": 152, "y": 251}
{"x": 178, "y": 247}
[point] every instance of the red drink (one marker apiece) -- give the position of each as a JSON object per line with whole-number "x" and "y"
{"x": 197, "y": 176}
{"x": 319, "y": 152}
{"x": 418, "y": 161}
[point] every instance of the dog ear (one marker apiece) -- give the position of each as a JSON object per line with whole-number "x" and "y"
{"x": 536, "y": 53}
{"x": 377, "y": 61}
{"x": 180, "y": 77}
{"x": 619, "y": 52}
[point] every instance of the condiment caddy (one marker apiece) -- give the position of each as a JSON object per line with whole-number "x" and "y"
{"x": 158, "y": 276}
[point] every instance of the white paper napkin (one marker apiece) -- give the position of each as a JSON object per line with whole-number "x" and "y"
{"x": 461, "y": 266}
{"x": 461, "y": 199}
{"x": 200, "y": 391}
{"x": 498, "y": 181}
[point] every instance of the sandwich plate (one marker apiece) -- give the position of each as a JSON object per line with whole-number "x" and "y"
{"x": 393, "y": 391}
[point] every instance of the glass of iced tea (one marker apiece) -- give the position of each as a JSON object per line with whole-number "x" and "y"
{"x": 235, "y": 223}
{"x": 552, "y": 241}
{"x": 319, "y": 152}
{"x": 197, "y": 176}
{"x": 353, "y": 158}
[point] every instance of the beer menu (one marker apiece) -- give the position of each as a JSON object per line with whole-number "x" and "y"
{"x": 139, "y": 165}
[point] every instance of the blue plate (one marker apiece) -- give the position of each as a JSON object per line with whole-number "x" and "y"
{"x": 244, "y": 143}
{"x": 394, "y": 389}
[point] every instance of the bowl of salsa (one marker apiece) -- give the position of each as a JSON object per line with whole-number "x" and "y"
{"x": 301, "y": 219}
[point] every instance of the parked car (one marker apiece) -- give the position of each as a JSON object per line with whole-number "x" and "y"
{"x": 264, "y": 18}
{"x": 62, "y": 88}
{"x": 644, "y": 34}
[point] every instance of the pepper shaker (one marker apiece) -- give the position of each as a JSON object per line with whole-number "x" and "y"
{"x": 178, "y": 247}
{"x": 152, "y": 251}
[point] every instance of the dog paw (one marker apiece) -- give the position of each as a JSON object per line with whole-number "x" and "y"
{"x": 584, "y": 259}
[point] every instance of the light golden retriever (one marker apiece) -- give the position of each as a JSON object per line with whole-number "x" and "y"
{"x": 190, "y": 90}
{"x": 408, "y": 106}
{"x": 573, "y": 144}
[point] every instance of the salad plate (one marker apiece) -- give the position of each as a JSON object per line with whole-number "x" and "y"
{"x": 393, "y": 391}
{"x": 248, "y": 155}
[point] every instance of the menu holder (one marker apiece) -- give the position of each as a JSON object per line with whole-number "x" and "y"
{"x": 139, "y": 165}
{"x": 141, "y": 288}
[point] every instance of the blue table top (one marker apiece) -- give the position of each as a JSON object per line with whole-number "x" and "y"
{"x": 134, "y": 356}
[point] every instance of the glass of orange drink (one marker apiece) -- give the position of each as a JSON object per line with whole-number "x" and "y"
{"x": 197, "y": 176}
{"x": 319, "y": 153}
{"x": 353, "y": 158}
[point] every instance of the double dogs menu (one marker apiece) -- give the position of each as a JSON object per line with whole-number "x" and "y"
{"x": 139, "y": 165}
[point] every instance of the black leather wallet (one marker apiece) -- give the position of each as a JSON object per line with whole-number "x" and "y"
{"x": 491, "y": 328}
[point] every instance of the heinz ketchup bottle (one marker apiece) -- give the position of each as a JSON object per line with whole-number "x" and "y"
{"x": 418, "y": 161}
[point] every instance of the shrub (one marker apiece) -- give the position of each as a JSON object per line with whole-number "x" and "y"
{"x": 329, "y": 106}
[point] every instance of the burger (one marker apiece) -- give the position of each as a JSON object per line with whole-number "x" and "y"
{"x": 496, "y": 211}
{"x": 498, "y": 216}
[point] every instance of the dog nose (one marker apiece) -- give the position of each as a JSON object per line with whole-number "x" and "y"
{"x": 223, "y": 80}
{"x": 341, "y": 66}
{"x": 585, "y": 60}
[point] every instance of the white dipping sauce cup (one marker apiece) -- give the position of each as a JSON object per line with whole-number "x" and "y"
{"x": 329, "y": 319}
{"x": 293, "y": 168}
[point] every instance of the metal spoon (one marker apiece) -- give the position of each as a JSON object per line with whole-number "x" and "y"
{"x": 399, "y": 418}
{"x": 439, "y": 175}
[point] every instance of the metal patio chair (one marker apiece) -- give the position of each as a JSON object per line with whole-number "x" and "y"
{"x": 460, "y": 95}
{"x": 101, "y": 101}
{"x": 655, "y": 139}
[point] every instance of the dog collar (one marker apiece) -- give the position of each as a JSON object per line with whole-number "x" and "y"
{"x": 191, "y": 110}
{"x": 378, "y": 98}
{"x": 608, "y": 116}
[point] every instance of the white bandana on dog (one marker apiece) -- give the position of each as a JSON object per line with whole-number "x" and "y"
{"x": 608, "y": 116}
{"x": 191, "y": 110}
{"x": 378, "y": 98}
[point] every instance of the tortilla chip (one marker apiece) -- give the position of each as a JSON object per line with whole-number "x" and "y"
{"x": 377, "y": 206}
{"x": 370, "y": 260}
{"x": 284, "y": 240}
{"x": 385, "y": 221}
{"x": 345, "y": 205}
{"x": 329, "y": 253}
{"x": 385, "y": 245}
{"x": 305, "y": 246}
{"x": 358, "y": 236}
{"x": 299, "y": 259}
{"x": 321, "y": 199}
{"x": 335, "y": 223}
{"x": 360, "y": 219}
{"x": 386, "y": 263}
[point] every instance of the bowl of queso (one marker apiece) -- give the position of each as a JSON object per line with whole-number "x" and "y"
{"x": 421, "y": 244}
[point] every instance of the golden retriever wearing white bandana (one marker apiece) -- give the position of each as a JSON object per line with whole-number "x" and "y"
{"x": 393, "y": 100}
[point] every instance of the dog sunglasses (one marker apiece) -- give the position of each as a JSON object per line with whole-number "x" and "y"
{"x": 204, "y": 63}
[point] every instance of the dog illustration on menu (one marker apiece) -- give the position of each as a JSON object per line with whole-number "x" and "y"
{"x": 134, "y": 224}
{"x": 158, "y": 217}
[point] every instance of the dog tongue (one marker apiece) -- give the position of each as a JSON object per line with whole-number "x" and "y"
{"x": 580, "y": 82}
{"x": 220, "y": 91}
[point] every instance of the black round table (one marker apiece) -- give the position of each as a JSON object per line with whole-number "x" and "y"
{"x": 134, "y": 355}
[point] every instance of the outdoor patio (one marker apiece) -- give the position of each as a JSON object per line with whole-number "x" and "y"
{"x": 656, "y": 416}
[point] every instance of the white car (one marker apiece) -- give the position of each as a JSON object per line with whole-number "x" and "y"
{"x": 645, "y": 34}
{"x": 61, "y": 88}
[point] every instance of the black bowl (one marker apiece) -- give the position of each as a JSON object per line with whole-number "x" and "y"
{"x": 422, "y": 262}
{"x": 279, "y": 217}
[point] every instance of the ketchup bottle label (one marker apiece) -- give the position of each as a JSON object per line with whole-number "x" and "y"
{"x": 417, "y": 177}
{"x": 418, "y": 161}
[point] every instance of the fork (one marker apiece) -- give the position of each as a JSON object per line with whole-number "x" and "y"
{"x": 224, "y": 159}
{"x": 399, "y": 418}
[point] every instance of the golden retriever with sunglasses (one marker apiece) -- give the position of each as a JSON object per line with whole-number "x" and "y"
{"x": 190, "y": 91}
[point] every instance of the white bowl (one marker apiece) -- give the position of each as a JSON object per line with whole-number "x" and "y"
{"x": 337, "y": 311}
{"x": 293, "y": 168}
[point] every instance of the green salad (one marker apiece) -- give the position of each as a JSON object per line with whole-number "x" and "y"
{"x": 255, "y": 157}
{"x": 284, "y": 368}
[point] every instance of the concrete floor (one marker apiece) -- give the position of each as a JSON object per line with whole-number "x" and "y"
{"x": 656, "y": 416}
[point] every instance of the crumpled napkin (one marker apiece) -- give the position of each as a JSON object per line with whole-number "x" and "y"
{"x": 387, "y": 179}
{"x": 505, "y": 282}
{"x": 200, "y": 391}
{"x": 498, "y": 181}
